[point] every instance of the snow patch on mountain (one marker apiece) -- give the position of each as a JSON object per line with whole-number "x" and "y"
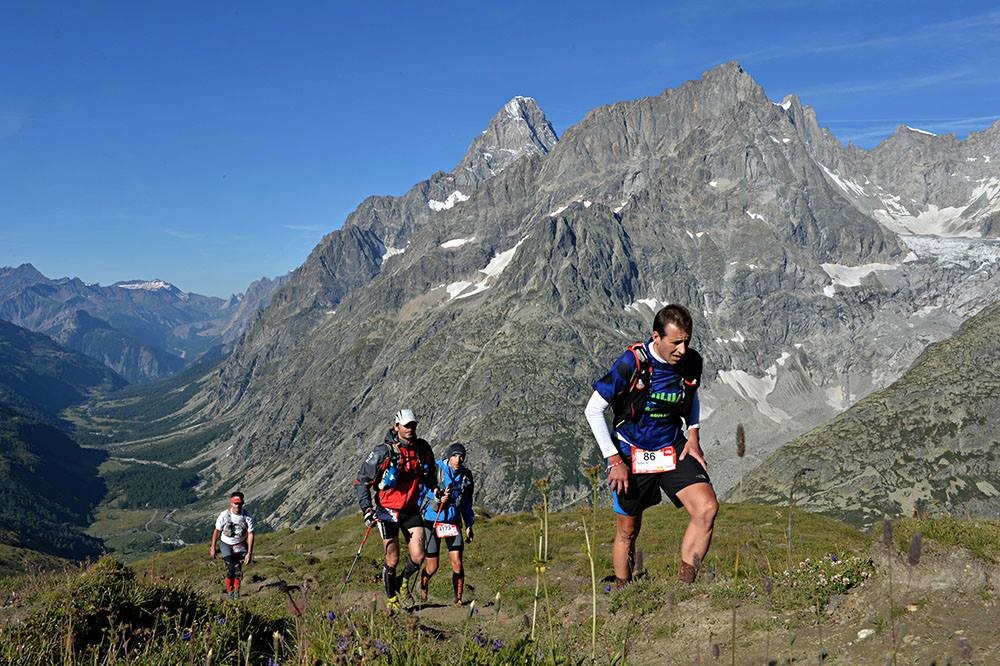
{"x": 456, "y": 242}
{"x": 756, "y": 389}
{"x": 850, "y": 276}
{"x": 496, "y": 266}
{"x": 652, "y": 303}
{"x": 846, "y": 184}
{"x": 738, "y": 338}
{"x": 919, "y": 131}
{"x": 391, "y": 252}
{"x": 453, "y": 198}
{"x": 149, "y": 285}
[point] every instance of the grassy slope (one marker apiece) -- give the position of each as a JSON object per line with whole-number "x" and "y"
{"x": 654, "y": 617}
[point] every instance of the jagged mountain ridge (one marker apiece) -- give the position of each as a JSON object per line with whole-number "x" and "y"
{"x": 928, "y": 442}
{"x": 506, "y": 305}
{"x": 141, "y": 329}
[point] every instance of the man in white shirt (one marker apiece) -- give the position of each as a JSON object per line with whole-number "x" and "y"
{"x": 234, "y": 527}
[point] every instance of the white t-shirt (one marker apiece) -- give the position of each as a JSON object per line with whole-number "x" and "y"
{"x": 233, "y": 527}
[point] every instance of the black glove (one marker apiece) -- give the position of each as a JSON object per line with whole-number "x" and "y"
{"x": 369, "y": 516}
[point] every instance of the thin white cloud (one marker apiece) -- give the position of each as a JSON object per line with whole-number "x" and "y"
{"x": 311, "y": 228}
{"x": 889, "y": 86}
{"x": 981, "y": 28}
{"x": 182, "y": 235}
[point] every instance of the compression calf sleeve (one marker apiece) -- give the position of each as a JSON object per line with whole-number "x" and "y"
{"x": 410, "y": 568}
{"x": 389, "y": 580}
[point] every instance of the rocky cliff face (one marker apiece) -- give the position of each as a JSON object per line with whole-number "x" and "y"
{"x": 491, "y": 312}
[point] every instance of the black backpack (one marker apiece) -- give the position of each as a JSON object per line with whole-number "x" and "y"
{"x": 630, "y": 405}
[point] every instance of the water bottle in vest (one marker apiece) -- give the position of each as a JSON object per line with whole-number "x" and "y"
{"x": 389, "y": 479}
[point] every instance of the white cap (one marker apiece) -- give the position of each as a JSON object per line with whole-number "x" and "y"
{"x": 405, "y": 416}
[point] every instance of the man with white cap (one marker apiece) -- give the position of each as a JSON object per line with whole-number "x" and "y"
{"x": 396, "y": 468}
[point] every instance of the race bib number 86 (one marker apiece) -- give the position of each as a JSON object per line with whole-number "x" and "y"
{"x": 653, "y": 462}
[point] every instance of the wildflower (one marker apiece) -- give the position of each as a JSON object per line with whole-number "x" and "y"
{"x": 497, "y": 644}
{"x": 343, "y": 643}
{"x": 222, "y": 620}
{"x": 331, "y": 616}
{"x": 834, "y": 558}
{"x": 380, "y": 646}
{"x": 480, "y": 640}
{"x": 607, "y": 588}
{"x": 271, "y": 661}
{"x": 186, "y": 635}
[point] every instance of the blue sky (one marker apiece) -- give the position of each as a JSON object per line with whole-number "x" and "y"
{"x": 209, "y": 144}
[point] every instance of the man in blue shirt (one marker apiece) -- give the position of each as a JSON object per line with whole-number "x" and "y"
{"x": 648, "y": 451}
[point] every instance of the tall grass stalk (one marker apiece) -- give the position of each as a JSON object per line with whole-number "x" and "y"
{"x": 736, "y": 576}
{"x": 593, "y": 595}
{"x": 791, "y": 509}
{"x": 741, "y": 450}
{"x": 890, "y": 552}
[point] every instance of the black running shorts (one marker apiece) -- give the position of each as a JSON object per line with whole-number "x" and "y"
{"x": 432, "y": 541}
{"x": 390, "y": 530}
{"x": 644, "y": 489}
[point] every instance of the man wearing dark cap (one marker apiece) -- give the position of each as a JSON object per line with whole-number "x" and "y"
{"x": 235, "y": 528}
{"x": 397, "y": 468}
{"x": 444, "y": 513}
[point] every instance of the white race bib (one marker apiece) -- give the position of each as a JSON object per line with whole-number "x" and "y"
{"x": 445, "y": 530}
{"x": 653, "y": 462}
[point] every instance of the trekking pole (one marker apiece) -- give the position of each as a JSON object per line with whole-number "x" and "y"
{"x": 357, "y": 556}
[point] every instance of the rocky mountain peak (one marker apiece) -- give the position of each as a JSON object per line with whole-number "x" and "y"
{"x": 519, "y": 128}
{"x": 24, "y": 274}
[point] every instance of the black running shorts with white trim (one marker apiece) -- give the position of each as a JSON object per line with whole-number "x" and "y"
{"x": 390, "y": 530}
{"x": 644, "y": 489}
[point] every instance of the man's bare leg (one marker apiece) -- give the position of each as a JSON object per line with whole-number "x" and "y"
{"x": 702, "y": 506}
{"x": 623, "y": 551}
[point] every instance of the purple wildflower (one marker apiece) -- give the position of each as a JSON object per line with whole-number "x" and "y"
{"x": 480, "y": 641}
{"x": 186, "y": 634}
{"x": 497, "y": 644}
{"x": 474, "y": 610}
{"x": 607, "y": 588}
{"x": 222, "y": 620}
{"x": 331, "y": 616}
{"x": 380, "y": 646}
{"x": 271, "y": 661}
{"x": 343, "y": 643}
{"x": 834, "y": 558}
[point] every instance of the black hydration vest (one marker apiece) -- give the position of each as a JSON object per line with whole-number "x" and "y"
{"x": 630, "y": 405}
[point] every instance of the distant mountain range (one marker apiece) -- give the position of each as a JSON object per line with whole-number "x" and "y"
{"x": 141, "y": 329}
{"x": 490, "y": 297}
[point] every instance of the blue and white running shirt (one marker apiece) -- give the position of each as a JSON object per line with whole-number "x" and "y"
{"x": 654, "y": 430}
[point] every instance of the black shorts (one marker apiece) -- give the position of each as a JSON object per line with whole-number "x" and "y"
{"x": 644, "y": 489}
{"x": 407, "y": 521}
{"x": 432, "y": 541}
